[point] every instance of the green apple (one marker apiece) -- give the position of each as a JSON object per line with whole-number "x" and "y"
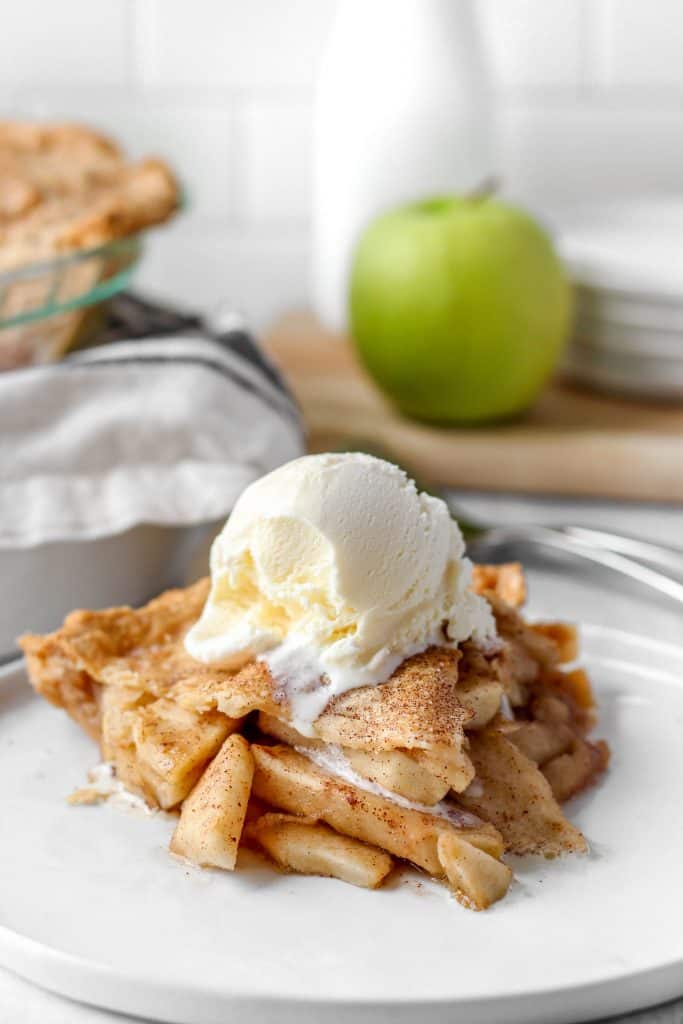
{"x": 459, "y": 308}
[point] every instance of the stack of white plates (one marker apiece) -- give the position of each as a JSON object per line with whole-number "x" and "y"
{"x": 626, "y": 261}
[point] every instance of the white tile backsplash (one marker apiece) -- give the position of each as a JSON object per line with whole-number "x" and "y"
{"x": 261, "y": 275}
{"x": 276, "y": 140}
{"x": 644, "y": 44}
{"x": 235, "y": 43}
{"x": 76, "y": 41}
{"x": 590, "y": 95}
{"x": 590, "y": 152}
{"x": 532, "y": 43}
{"x": 198, "y": 142}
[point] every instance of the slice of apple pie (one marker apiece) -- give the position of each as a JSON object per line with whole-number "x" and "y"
{"x": 346, "y": 689}
{"x": 463, "y": 754}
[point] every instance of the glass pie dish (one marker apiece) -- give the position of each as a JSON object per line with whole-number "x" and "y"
{"x": 50, "y": 306}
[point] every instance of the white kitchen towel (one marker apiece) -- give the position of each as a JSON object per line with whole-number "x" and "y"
{"x": 162, "y": 430}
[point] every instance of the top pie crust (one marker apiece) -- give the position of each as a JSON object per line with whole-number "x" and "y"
{"x": 124, "y": 675}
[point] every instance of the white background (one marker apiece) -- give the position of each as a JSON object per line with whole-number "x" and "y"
{"x": 591, "y": 95}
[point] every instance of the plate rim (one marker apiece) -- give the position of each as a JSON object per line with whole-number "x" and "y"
{"x": 131, "y": 993}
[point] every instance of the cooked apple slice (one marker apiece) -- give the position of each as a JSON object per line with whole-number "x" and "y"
{"x": 288, "y": 780}
{"x": 575, "y": 769}
{"x": 399, "y": 771}
{"x": 212, "y": 817}
{"x": 173, "y": 744}
{"x": 541, "y": 741}
{"x": 307, "y": 846}
{"x": 476, "y": 878}
{"x": 482, "y": 697}
{"x": 510, "y": 791}
{"x": 450, "y": 764}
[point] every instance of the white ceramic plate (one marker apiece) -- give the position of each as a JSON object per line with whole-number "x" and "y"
{"x": 627, "y": 246}
{"x": 623, "y": 340}
{"x": 625, "y": 374}
{"x": 92, "y": 906}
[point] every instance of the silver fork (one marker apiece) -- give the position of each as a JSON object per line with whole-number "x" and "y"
{"x": 611, "y": 550}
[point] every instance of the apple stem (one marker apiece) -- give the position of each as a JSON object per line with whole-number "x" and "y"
{"x": 484, "y": 190}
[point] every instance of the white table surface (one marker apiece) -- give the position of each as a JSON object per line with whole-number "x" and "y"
{"x": 616, "y": 603}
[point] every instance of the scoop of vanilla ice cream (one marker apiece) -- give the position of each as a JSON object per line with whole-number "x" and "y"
{"x": 334, "y": 569}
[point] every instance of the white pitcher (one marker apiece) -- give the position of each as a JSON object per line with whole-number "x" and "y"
{"x": 403, "y": 110}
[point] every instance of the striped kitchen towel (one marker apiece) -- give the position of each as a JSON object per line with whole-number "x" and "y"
{"x": 164, "y": 429}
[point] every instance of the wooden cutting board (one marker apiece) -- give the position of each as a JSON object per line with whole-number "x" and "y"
{"x": 572, "y": 442}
